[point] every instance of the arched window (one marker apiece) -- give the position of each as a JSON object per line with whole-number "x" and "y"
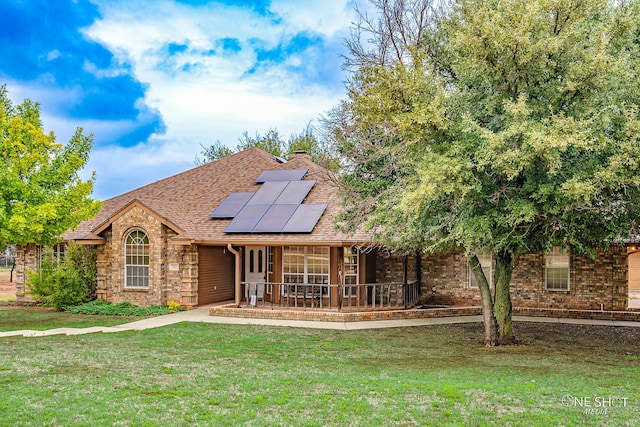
{"x": 136, "y": 259}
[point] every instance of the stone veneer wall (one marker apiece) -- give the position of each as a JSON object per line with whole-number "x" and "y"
{"x": 26, "y": 259}
{"x": 595, "y": 284}
{"x": 173, "y": 270}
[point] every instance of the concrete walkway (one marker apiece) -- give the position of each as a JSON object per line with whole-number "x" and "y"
{"x": 202, "y": 315}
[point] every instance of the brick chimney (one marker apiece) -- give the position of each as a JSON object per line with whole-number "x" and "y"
{"x": 301, "y": 154}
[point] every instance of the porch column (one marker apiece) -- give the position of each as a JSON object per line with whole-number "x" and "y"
{"x": 238, "y": 287}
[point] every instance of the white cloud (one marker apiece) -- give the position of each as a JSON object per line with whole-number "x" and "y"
{"x": 325, "y": 17}
{"x": 54, "y": 54}
{"x": 48, "y": 95}
{"x": 205, "y": 93}
{"x": 120, "y": 169}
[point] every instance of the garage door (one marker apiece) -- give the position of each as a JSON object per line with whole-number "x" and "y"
{"x": 216, "y": 267}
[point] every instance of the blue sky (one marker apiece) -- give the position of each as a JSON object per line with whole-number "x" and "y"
{"x": 155, "y": 79}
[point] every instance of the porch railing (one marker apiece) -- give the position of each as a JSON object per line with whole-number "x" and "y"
{"x": 369, "y": 296}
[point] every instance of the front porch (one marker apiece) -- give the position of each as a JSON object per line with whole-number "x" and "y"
{"x": 332, "y": 297}
{"x": 416, "y": 316}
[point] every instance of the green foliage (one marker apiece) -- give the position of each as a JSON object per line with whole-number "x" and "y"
{"x": 509, "y": 126}
{"x": 121, "y": 309}
{"x": 273, "y": 143}
{"x": 62, "y": 283}
{"x": 494, "y": 126}
{"x": 41, "y": 194}
{"x": 213, "y": 152}
{"x": 173, "y": 305}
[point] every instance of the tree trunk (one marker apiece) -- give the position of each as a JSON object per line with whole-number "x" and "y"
{"x": 505, "y": 262}
{"x": 491, "y": 335}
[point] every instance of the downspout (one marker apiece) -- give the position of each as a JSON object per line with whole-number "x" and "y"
{"x": 237, "y": 275}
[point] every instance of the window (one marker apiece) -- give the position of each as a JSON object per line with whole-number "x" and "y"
{"x": 293, "y": 264}
{"x": 60, "y": 251}
{"x": 269, "y": 268}
{"x": 306, "y": 265}
{"x": 270, "y": 260}
{"x": 557, "y": 270}
{"x": 486, "y": 263}
{"x": 55, "y": 254}
{"x": 136, "y": 253}
{"x": 350, "y": 274}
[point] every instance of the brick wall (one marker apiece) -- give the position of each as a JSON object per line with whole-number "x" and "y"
{"x": 390, "y": 268}
{"x": 188, "y": 256}
{"x": 26, "y": 259}
{"x": 173, "y": 272}
{"x": 595, "y": 284}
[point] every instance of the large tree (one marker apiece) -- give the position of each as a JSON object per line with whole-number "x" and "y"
{"x": 41, "y": 194}
{"x": 273, "y": 143}
{"x": 493, "y": 126}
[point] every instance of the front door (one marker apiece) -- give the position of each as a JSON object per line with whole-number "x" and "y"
{"x": 255, "y": 271}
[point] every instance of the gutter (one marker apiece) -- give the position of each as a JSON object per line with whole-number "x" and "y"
{"x": 237, "y": 275}
{"x": 280, "y": 242}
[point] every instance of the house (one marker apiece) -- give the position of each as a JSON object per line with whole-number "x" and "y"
{"x": 254, "y": 229}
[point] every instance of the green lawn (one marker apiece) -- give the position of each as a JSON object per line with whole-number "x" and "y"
{"x": 17, "y": 318}
{"x": 205, "y": 374}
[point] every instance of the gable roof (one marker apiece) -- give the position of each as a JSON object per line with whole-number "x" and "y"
{"x": 185, "y": 201}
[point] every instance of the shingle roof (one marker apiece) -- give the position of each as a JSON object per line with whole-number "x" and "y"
{"x": 185, "y": 201}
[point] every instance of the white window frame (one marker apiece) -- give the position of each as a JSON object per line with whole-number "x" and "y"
{"x": 351, "y": 271}
{"x": 486, "y": 263}
{"x": 303, "y": 270}
{"x": 58, "y": 253}
{"x": 557, "y": 260}
{"x": 269, "y": 269}
{"x": 141, "y": 257}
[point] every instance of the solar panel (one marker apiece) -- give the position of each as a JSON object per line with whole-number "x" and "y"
{"x": 304, "y": 219}
{"x": 281, "y": 175}
{"x": 295, "y": 192}
{"x": 231, "y": 205}
{"x": 275, "y": 208}
{"x": 268, "y": 193}
{"x": 275, "y": 219}
{"x": 247, "y": 219}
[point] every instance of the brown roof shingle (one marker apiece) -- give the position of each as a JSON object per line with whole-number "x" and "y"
{"x": 186, "y": 200}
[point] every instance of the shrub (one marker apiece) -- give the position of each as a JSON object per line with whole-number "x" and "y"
{"x": 173, "y": 305}
{"x": 121, "y": 309}
{"x": 62, "y": 283}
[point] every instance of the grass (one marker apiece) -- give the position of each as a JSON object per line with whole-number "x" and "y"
{"x": 206, "y": 374}
{"x": 17, "y": 318}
